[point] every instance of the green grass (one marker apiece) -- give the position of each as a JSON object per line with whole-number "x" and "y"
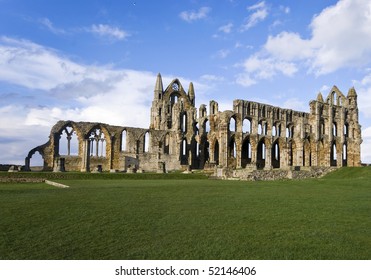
{"x": 328, "y": 218}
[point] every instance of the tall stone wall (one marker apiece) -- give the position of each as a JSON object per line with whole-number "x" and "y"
{"x": 250, "y": 136}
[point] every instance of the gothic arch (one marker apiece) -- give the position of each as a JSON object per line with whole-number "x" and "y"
{"x": 276, "y": 154}
{"x": 68, "y": 139}
{"x": 124, "y": 140}
{"x": 261, "y": 154}
{"x": 246, "y": 152}
{"x": 99, "y": 139}
{"x": 246, "y": 125}
{"x": 232, "y": 124}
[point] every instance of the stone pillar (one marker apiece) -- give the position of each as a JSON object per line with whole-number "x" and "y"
{"x": 27, "y": 164}
{"x": 86, "y": 156}
{"x": 268, "y": 157}
{"x": 59, "y": 165}
{"x": 238, "y": 152}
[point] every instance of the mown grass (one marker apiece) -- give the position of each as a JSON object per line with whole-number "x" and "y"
{"x": 326, "y": 218}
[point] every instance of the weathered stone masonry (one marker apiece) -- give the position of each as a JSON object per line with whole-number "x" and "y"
{"x": 251, "y": 136}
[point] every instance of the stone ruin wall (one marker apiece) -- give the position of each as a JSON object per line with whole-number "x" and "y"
{"x": 252, "y": 136}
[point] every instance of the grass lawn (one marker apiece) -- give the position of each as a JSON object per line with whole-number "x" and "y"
{"x": 159, "y": 218}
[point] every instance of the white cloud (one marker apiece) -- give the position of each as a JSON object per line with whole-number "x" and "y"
{"x": 105, "y": 30}
{"x": 258, "y": 68}
{"x": 363, "y": 88}
{"x": 340, "y": 38}
{"x": 48, "y": 24}
{"x": 284, "y": 9}
{"x": 222, "y": 53}
{"x": 288, "y": 46}
{"x": 211, "y": 78}
{"x": 366, "y": 145}
{"x": 260, "y": 12}
{"x": 76, "y": 92}
{"x": 244, "y": 79}
{"x": 226, "y": 28}
{"x": 191, "y": 16}
{"x": 27, "y": 64}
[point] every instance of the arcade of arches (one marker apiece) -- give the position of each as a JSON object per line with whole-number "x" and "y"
{"x": 252, "y": 135}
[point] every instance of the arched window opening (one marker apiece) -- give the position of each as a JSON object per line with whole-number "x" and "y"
{"x": 123, "y": 140}
{"x": 333, "y": 155}
{"x": 274, "y": 131}
{"x": 246, "y": 153}
{"x": 246, "y": 126}
{"x": 287, "y": 132}
{"x": 322, "y": 129}
{"x": 275, "y": 155}
{"x": 265, "y": 129}
{"x": 184, "y": 122}
{"x": 183, "y": 152}
{"x": 260, "y": 129}
{"x": 97, "y": 143}
{"x": 36, "y": 162}
{"x": 206, "y": 126}
{"x": 340, "y": 103}
{"x": 276, "y": 152}
{"x": 216, "y": 152}
{"x": 334, "y": 130}
{"x": 232, "y": 148}
{"x": 197, "y": 132}
{"x": 197, "y": 149}
{"x": 184, "y": 147}
{"x": 260, "y": 163}
{"x": 232, "y": 124}
{"x": 345, "y": 155}
{"x": 346, "y": 130}
{"x": 333, "y": 98}
{"x": 167, "y": 144}
{"x": 146, "y": 142}
{"x": 174, "y": 99}
{"x": 68, "y": 142}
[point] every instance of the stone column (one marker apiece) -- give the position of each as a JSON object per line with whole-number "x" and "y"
{"x": 268, "y": 157}
{"x": 27, "y": 164}
{"x": 86, "y": 156}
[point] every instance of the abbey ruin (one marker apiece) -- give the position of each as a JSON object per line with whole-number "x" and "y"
{"x": 251, "y": 136}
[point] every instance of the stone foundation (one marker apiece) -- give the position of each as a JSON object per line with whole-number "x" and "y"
{"x": 271, "y": 175}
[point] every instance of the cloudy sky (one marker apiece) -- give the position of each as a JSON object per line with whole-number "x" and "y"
{"x": 98, "y": 60}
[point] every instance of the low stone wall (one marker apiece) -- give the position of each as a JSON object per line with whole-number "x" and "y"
{"x": 21, "y": 180}
{"x": 273, "y": 174}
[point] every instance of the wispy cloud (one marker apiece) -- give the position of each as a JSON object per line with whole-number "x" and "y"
{"x": 223, "y": 53}
{"x": 191, "y": 16}
{"x": 259, "y": 12}
{"x": 226, "y": 28}
{"x": 50, "y": 26}
{"x": 105, "y": 30}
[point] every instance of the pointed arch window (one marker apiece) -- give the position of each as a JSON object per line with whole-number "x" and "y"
{"x": 232, "y": 124}
{"x": 97, "y": 143}
{"x": 146, "y": 142}
{"x": 68, "y": 142}
{"x": 123, "y": 140}
{"x": 246, "y": 126}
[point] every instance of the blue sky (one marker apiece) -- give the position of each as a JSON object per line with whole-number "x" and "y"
{"x": 98, "y": 60}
